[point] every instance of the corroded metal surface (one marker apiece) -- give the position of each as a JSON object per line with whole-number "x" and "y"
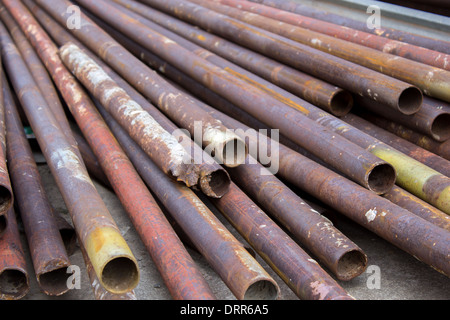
{"x": 324, "y": 15}
{"x": 234, "y": 264}
{"x": 316, "y": 91}
{"x": 48, "y": 253}
{"x": 171, "y": 101}
{"x": 420, "y": 238}
{"x": 14, "y": 278}
{"x": 347, "y": 75}
{"x": 340, "y": 152}
{"x": 337, "y": 252}
{"x": 402, "y": 49}
{"x": 98, "y": 232}
{"x": 301, "y": 273}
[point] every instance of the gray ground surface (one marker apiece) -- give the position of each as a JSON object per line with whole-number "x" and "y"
{"x": 402, "y": 276}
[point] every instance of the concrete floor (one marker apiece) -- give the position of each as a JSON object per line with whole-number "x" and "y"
{"x": 402, "y": 277}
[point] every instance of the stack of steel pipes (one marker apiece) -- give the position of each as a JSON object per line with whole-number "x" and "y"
{"x": 257, "y": 111}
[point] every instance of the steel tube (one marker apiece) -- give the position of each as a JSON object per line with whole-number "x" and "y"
{"x": 398, "y": 48}
{"x": 237, "y": 268}
{"x": 424, "y": 141}
{"x": 214, "y": 181}
{"x": 420, "y": 238}
{"x": 429, "y": 159}
{"x": 278, "y": 114}
{"x": 390, "y": 33}
{"x": 432, "y": 119}
{"x": 88, "y": 212}
{"x": 347, "y": 75}
{"x": 48, "y": 253}
{"x": 14, "y": 278}
{"x": 313, "y": 90}
{"x": 431, "y": 80}
{"x": 173, "y": 103}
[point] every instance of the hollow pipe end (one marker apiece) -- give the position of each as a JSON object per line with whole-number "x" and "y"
{"x": 262, "y": 289}
{"x": 440, "y": 128}
{"x": 14, "y": 284}
{"x": 55, "y": 281}
{"x": 215, "y": 184}
{"x": 341, "y": 103}
{"x": 351, "y": 264}
{"x": 410, "y": 100}
{"x": 381, "y": 178}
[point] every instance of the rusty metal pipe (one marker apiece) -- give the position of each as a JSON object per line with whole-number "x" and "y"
{"x": 39, "y": 73}
{"x": 429, "y": 159}
{"x": 173, "y": 103}
{"x": 318, "y": 92}
{"x": 251, "y": 98}
{"x": 237, "y": 268}
{"x": 431, "y": 80}
{"x": 432, "y": 119}
{"x": 14, "y": 278}
{"x": 398, "y": 48}
{"x": 347, "y": 75}
{"x": 88, "y": 212}
{"x": 214, "y": 181}
{"x": 420, "y": 238}
{"x": 395, "y": 34}
{"x": 424, "y": 141}
{"x": 301, "y": 273}
{"x": 48, "y": 252}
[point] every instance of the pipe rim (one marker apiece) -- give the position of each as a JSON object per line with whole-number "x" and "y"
{"x": 16, "y": 283}
{"x": 381, "y": 178}
{"x": 410, "y": 101}
{"x": 341, "y": 103}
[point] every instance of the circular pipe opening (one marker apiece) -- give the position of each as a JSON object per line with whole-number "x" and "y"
{"x": 6, "y": 199}
{"x": 440, "y": 127}
{"x": 262, "y": 290}
{"x": 216, "y": 184}
{"x": 351, "y": 265}
{"x": 234, "y": 153}
{"x": 381, "y": 178}
{"x": 14, "y": 283}
{"x": 120, "y": 275}
{"x": 54, "y": 283}
{"x": 341, "y": 103}
{"x": 410, "y": 101}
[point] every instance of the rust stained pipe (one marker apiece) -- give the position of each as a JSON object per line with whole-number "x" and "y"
{"x": 323, "y": 15}
{"x": 139, "y": 203}
{"x": 431, "y": 80}
{"x": 39, "y": 73}
{"x": 342, "y": 153}
{"x": 173, "y": 103}
{"x": 420, "y": 238}
{"x": 424, "y": 141}
{"x": 301, "y": 273}
{"x": 14, "y": 278}
{"x": 402, "y": 49}
{"x": 432, "y": 119}
{"x": 313, "y": 90}
{"x": 234, "y": 264}
{"x": 48, "y": 253}
{"x": 92, "y": 220}
{"x": 429, "y": 159}
{"x": 345, "y": 74}
{"x": 214, "y": 184}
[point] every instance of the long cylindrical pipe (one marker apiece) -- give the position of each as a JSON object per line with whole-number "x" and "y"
{"x": 345, "y": 74}
{"x": 402, "y": 49}
{"x": 148, "y": 218}
{"x": 318, "y": 92}
{"x": 432, "y": 119}
{"x": 345, "y": 154}
{"x": 237, "y": 268}
{"x": 14, "y": 277}
{"x": 390, "y": 33}
{"x": 100, "y": 235}
{"x": 431, "y": 80}
{"x": 214, "y": 181}
{"x": 180, "y": 109}
{"x": 429, "y": 159}
{"x": 424, "y": 141}
{"x": 48, "y": 253}
{"x": 420, "y": 238}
